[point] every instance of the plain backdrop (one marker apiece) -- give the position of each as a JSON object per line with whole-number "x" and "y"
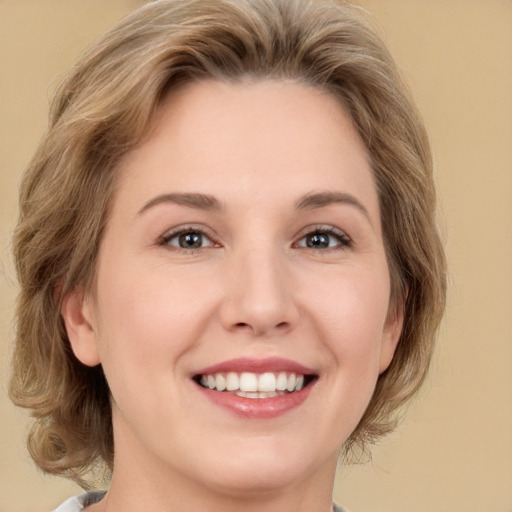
{"x": 453, "y": 451}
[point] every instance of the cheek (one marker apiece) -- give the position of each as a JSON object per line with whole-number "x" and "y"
{"x": 350, "y": 316}
{"x": 146, "y": 327}
{"x": 353, "y": 307}
{"x": 150, "y": 317}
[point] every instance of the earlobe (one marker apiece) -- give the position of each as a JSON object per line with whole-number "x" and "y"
{"x": 78, "y": 319}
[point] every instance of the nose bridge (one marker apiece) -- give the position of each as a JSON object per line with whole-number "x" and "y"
{"x": 260, "y": 292}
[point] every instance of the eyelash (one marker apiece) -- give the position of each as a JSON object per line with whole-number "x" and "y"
{"x": 343, "y": 241}
{"x": 166, "y": 239}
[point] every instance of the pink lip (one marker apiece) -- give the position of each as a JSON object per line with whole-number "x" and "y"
{"x": 245, "y": 364}
{"x": 257, "y": 408}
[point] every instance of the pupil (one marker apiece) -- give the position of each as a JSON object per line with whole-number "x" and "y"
{"x": 190, "y": 240}
{"x": 317, "y": 240}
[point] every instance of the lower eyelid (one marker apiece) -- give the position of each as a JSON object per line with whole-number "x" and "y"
{"x": 343, "y": 240}
{"x": 166, "y": 239}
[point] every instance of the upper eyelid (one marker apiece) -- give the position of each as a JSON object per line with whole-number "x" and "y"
{"x": 326, "y": 228}
{"x": 173, "y": 232}
{"x": 344, "y": 241}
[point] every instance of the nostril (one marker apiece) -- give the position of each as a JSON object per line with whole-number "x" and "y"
{"x": 281, "y": 326}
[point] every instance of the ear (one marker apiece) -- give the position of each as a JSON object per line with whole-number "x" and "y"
{"x": 78, "y": 318}
{"x": 391, "y": 334}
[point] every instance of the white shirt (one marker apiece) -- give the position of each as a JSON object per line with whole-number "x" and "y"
{"x": 78, "y": 503}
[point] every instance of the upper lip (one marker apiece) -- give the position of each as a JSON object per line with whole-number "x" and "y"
{"x": 246, "y": 364}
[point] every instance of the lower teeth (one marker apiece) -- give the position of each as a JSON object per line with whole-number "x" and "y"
{"x": 261, "y": 394}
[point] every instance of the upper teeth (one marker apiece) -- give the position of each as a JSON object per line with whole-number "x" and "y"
{"x": 247, "y": 381}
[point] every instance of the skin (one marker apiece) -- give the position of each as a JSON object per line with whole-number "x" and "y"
{"x": 158, "y": 313}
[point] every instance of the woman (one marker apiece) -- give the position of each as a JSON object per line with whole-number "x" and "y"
{"x": 229, "y": 264}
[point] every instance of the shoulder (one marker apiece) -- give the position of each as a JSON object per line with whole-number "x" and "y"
{"x": 78, "y": 503}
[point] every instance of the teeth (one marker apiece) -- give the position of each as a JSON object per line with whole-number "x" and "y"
{"x": 267, "y": 382}
{"x": 248, "y": 382}
{"x": 254, "y": 385}
{"x": 249, "y": 394}
{"x": 232, "y": 381}
{"x": 282, "y": 381}
{"x": 220, "y": 382}
{"x": 290, "y": 386}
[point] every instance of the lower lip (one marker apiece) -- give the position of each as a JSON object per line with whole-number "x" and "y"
{"x": 258, "y": 408}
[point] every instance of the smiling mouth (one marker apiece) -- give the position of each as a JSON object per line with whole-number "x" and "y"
{"x": 255, "y": 385}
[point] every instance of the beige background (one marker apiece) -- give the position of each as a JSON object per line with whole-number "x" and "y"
{"x": 453, "y": 453}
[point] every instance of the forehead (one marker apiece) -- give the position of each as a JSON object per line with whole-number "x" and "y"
{"x": 250, "y": 140}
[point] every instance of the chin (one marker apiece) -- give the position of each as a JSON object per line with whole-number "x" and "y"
{"x": 261, "y": 473}
{"x": 257, "y": 481}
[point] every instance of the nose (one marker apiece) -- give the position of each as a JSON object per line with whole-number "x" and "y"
{"x": 259, "y": 295}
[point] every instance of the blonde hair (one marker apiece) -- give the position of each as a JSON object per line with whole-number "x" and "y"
{"x": 105, "y": 107}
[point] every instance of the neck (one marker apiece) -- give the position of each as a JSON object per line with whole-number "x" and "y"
{"x": 142, "y": 482}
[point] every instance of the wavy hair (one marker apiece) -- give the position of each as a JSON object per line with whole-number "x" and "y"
{"x": 105, "y": 107}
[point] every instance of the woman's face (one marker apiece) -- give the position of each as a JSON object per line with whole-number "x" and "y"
{"x": 241, "y": 303}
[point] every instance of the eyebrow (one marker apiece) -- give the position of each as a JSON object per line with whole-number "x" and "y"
{"x": 190, "y": 199}
{"x": 208, "y": 202}
{"x": 321, "y": 199}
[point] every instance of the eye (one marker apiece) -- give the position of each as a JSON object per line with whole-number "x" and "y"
{"x": 325, "y": 238}
{"x": 187, "y": 239}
